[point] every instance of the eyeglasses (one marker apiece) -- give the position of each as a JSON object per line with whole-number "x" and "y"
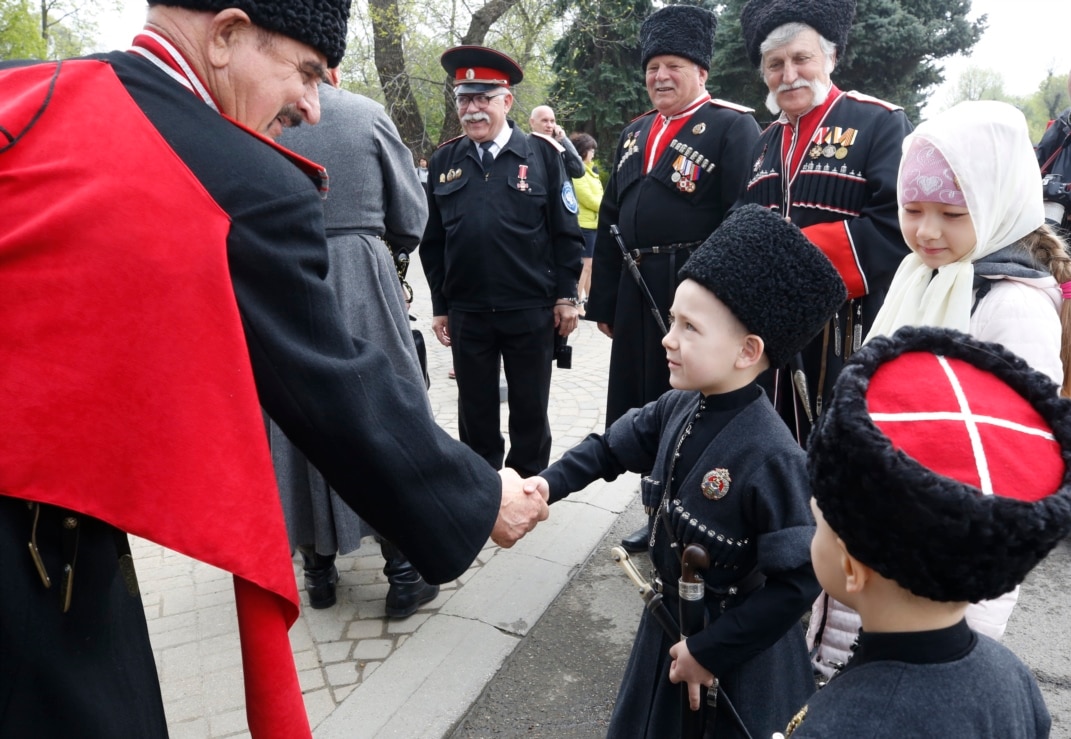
{"x": 481, "y": 100}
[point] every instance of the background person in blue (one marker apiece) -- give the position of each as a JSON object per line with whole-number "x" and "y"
{"x": 501, "y": 252}
{"x": 726, "y": 474}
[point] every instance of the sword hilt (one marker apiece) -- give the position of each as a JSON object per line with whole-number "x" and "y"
{"x": 621, "y": 557}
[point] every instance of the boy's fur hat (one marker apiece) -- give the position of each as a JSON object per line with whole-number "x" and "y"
{"x": 831, "y": 18}
{"x": 776, "y": 282}
{"x": 682, "y": 30}
{"x": 942, "y": 463}
{"x": 319, "y": 23}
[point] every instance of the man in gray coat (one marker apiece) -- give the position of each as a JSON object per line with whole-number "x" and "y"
{"x": 375, "y": 199}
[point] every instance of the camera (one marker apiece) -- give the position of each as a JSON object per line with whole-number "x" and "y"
{"x": 1057, "y": 196}
{"x": 563, "y": 353}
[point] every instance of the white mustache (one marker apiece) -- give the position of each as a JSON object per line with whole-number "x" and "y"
{"x": 476, "y": 117}
{"x": 795, "y": 85}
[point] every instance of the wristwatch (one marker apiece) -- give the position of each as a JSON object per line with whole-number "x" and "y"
{"x": 568, "y": 301}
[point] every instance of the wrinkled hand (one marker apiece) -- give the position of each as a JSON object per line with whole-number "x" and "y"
{"x": 442, "y": 331}
{"x": 565, "y": 319}
{"x": 537, "y": 484}
{"x": 606, "y": 329}
{"x": 519, "y": 512}
{"x": 685, "y": 668}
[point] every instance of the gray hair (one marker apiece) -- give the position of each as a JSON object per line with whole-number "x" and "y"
{"x": 787, "y": 33}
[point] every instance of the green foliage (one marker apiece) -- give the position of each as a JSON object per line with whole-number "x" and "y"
{"x": 20, "y": 31}
{"x": 600, "y": 86}
{"x": 892, "y": 51}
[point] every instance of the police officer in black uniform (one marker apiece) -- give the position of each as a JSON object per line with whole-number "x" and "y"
{"x": 501, "y": 252}
{"x": 677, "y": 171}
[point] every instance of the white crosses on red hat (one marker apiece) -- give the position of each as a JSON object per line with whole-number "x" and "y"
{"x": 965, "y": 423}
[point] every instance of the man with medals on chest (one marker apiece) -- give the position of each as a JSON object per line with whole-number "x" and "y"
{"x": 829, "y": 164}
{"x": 676, "y": 172}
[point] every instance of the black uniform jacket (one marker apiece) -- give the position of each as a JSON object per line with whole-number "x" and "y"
{"x": 842, "y": 194}
{"x": 504, "y": 240}
{"x": 653, "y": 209}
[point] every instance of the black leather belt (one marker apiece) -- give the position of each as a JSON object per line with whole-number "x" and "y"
{"x": 638, "y": 254}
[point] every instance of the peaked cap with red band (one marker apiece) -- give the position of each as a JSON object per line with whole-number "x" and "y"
{"x": 479, "y": 69}
{"x": 942, "y": 462}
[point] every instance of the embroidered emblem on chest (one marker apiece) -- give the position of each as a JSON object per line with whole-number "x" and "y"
{"x": 715, "y": 484}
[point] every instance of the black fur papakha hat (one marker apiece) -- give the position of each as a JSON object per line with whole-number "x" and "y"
{"x": 942, "y": 463}
{"x": 831, "y": 18}
{"x": 776, "y": 282}
{"x": 681, "y": 30}
{"x": 319, "y": 23}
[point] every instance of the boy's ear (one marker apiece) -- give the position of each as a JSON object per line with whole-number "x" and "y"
{"x": 856, "y": 574}
{"x": 751, "y": 351}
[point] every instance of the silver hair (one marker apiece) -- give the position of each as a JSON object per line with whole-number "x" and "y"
{"x": 786, "y": 33}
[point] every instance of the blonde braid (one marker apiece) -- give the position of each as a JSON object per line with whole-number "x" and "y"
{"x": 1051, "y": 252}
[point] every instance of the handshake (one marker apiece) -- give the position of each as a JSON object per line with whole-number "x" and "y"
{"x": 524, "y": 504}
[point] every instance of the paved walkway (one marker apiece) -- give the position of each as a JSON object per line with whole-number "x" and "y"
{"x": 363, "y": 675}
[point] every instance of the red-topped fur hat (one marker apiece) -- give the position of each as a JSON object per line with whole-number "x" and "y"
{"x": 942, "y": 462}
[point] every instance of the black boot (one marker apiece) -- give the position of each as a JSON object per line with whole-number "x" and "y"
{"x": 638, "y": 540}
{"x": 320, "y": 577}
{"x": 407, "y": 591}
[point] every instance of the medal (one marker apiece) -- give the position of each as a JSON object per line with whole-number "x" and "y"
{"x": 715, "y": 483}
{"x": 699, "y": 128}
{"x": 815, "y": 152}
{"x": 686, "y": 185}
{"x": 522, "y": 177}
{"x": 676, "y": 176}
{"x": 442, "y": 178}
{"x": 842, "y": 152}
{"x": 829, "y": 150}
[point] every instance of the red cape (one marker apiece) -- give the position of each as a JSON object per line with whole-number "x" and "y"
{"x": 126, "y": 391}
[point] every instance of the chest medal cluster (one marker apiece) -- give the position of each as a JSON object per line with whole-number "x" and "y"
{"x": 832, "y": 142}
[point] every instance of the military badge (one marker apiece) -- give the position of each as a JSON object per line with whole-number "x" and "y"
{"x": 685, "y": 173}
{"x": 569, "y": 198}
{"x": 698, "y": 128}
{"x": 829, "y": 150}
{"x": 442, "y": 178}
{"x": 815, "y": 152}
{"x": 522, "y": 177}
{"x": 715, "y": 483}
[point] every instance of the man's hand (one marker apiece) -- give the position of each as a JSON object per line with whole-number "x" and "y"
{"x": 519, "y": 512}
{"x": 559, "y": 133}
{"x": 606, "y": 329}
{"x": 442, "y": 331}
{"x": 565, "y": 318}
{"x": 684, "y": 668}
{"x": 537, "y": 484}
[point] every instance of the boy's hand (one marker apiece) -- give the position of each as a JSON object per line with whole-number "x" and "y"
{"x": 684, "y": 668}
{"x": 537, "y": 484}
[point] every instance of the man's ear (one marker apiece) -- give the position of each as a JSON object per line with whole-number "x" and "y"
{"x": 751, "y": 351}
{"x": 224, "y": 34}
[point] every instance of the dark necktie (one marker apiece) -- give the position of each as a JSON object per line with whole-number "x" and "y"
{"x": 487, "y": 158}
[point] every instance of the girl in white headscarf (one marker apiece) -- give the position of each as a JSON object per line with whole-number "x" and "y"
{"x": 983, "y": 262}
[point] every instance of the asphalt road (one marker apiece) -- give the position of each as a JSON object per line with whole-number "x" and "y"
{"x": 561, "y": 682}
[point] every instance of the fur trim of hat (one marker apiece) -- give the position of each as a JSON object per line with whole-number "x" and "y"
{"x": 681, "y": 30}
{"x": 319, "y": 23}
{"x": 831, "y": 18}
{"x": 776, "y": 282}
{"x": 959, "y": 500}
